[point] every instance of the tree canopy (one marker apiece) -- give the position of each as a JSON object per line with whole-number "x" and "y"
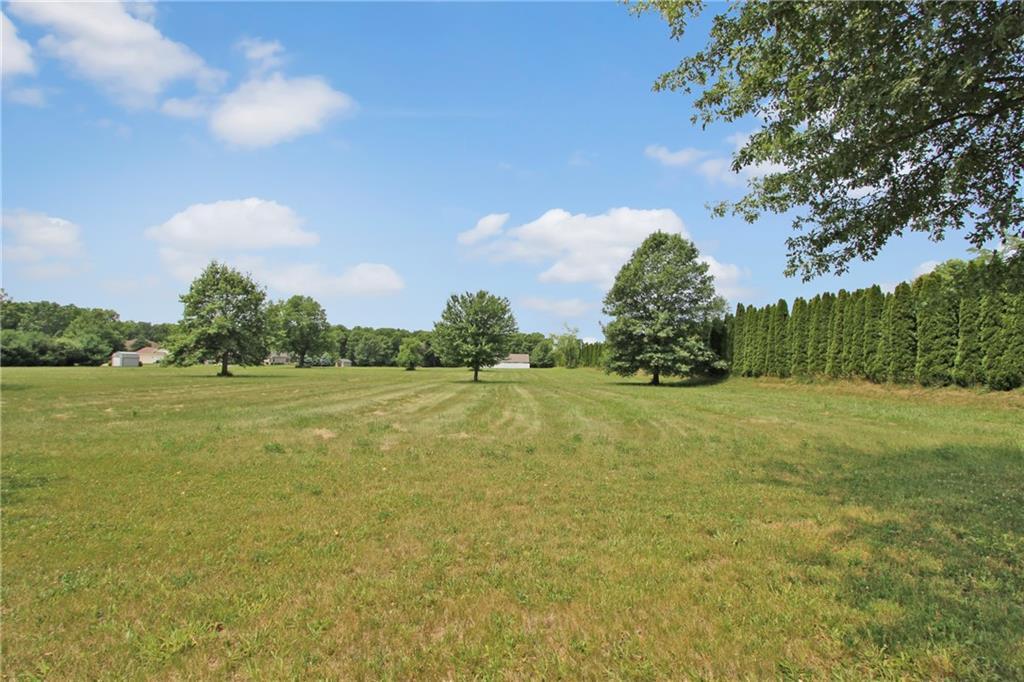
{"x": 661, "y": 305}
{"x": 225, "y": 319}
{"x": 475, "y": 330}
{"x": 299, "y": 326}
{"x": 878, "y": 117}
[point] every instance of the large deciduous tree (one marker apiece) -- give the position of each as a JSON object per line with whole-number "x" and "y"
{"x": 878, "y": 117}
{"x": 225, "y": 319}
{"x": 300, "y": 326}
{"x": 662, "y": 300}
{"x": 475, "y": 330}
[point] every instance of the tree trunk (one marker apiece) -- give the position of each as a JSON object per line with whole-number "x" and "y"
{"x": 224, "y": 365}
{"x": 656, "y": 378}
{"x": 476, "y": 372}
{"x": 302, "y": 359}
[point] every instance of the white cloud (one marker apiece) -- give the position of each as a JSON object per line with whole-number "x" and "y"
{"x": 683, "y": 157}
{"x": 44, "y": 247}
{"x": 925, "y": 267}
{"x": 362, "y": 279}
{"x": 488, "y": 226}
{"x": 585, "y": 248}
{"x": 192, "y": 107}
{"x": 231, "y": 230}
{"x": 237, "y": 224}
{"x": 265, "y": 111}
{"x": 715, "y": 168}
{"x": 570, "y": 307}
{"x": 580, "y": 247}
{"x": 728, "y": 278}
{"x": 33, "y": 97}
{"x": 15, "y": 53}
{"x": 263, "y": 54}
{"x": 113, "y": 47}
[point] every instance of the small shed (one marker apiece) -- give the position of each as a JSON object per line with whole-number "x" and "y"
{"x": 515, "y": 361}
{"x": 344, "y": 362}
{"x": 124, "y": 358}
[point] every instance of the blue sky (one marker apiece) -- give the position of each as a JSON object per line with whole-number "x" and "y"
{"x": 376, "y": 156}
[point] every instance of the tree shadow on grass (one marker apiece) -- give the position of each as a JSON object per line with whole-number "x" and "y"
{"x": 232, "y": 377}
{"x": 936, "y": 565}
{"x": 485, "y": 381}
{"x": 688, "y": 382}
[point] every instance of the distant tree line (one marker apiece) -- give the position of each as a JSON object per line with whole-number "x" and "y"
{"x": 961, "y": 324}
{"x": 43, "y": 333}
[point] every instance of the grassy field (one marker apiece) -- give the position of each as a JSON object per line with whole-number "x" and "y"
{"x": 377, "y": 523}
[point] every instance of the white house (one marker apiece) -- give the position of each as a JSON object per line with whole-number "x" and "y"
{"x": 123, "y": 358}
{"x": 152, "y": 355}
{"x": 515, "y": 361}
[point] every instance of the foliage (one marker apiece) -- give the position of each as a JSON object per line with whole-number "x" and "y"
{"x": 225, "y": 319}
{"x": 957, "y": 323}
{"x": 475, "y": 330}
{"x": 568, "y": 348}
{"x": 878, "y": 117}
{"x": 410, "y": 353}
{"x": 543, "y": 354}
{"x": 299, "y": 326}
{"x": 660, "y": 304}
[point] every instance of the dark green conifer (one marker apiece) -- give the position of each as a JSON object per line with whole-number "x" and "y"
{"x": 834, "y": 359}
{"x": 796, "y": 338}
{"x": 874, "y": 302}
{"x": 902, "y": 336}
{"x": 936, "y": 331}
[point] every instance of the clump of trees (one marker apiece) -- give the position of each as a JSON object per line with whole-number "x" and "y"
{"x": 663, "y": 307}
{"x": 34, "y": 333}
{"x": 961, "y": 324}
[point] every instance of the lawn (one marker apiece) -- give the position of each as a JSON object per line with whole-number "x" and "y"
{"x": 376, "y": 523}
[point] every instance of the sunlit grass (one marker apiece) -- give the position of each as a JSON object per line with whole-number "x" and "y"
{"x": 380, "y": 523}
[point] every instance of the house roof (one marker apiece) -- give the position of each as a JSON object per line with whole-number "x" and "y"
{"x": 517, "y": 357}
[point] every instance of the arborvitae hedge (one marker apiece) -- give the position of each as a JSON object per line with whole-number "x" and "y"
{"x": 962, "y": 323}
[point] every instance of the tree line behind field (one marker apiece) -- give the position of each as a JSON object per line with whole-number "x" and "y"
{"x": 963, "y": 323}
{"x": 44, "y": 333}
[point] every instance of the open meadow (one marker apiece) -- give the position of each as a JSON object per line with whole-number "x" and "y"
{"x": 376, "y": 523}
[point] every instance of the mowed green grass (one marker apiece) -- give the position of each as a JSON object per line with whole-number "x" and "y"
{"x": 376, "y": 523}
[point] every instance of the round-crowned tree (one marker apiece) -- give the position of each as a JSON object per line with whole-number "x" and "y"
{"x": 225, "y": 319}
{"x": 475, "y": 330}
{"x": 661, "y": 304}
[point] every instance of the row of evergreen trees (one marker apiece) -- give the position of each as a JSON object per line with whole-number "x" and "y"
{"x": 592, "y": 354}
{"x": 963, "y": 323}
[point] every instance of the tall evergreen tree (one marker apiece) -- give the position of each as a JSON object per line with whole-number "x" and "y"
{"x": 853, "y": 335}
{"x": 834, "y": 359}
{"x": 778, "y": 359}
{"x": 902, "y": 336}
{"x": 883, "y": 355}
{"x": 1006, "y": 370}
{"x": 796, "y": 338}
{"x": 817, "y": 350}
{"x": 989, "y": 333}
{"x": 750, "y": 327}
{"x": 936, "y": 331}
{"x": 736, "y": 342}
{"x": 874, "y": 302}
{"x": 967, "y": 369}
{"x": 764, "y": 317}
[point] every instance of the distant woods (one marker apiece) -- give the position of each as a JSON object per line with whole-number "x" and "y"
{"x": 961, "y": 324}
